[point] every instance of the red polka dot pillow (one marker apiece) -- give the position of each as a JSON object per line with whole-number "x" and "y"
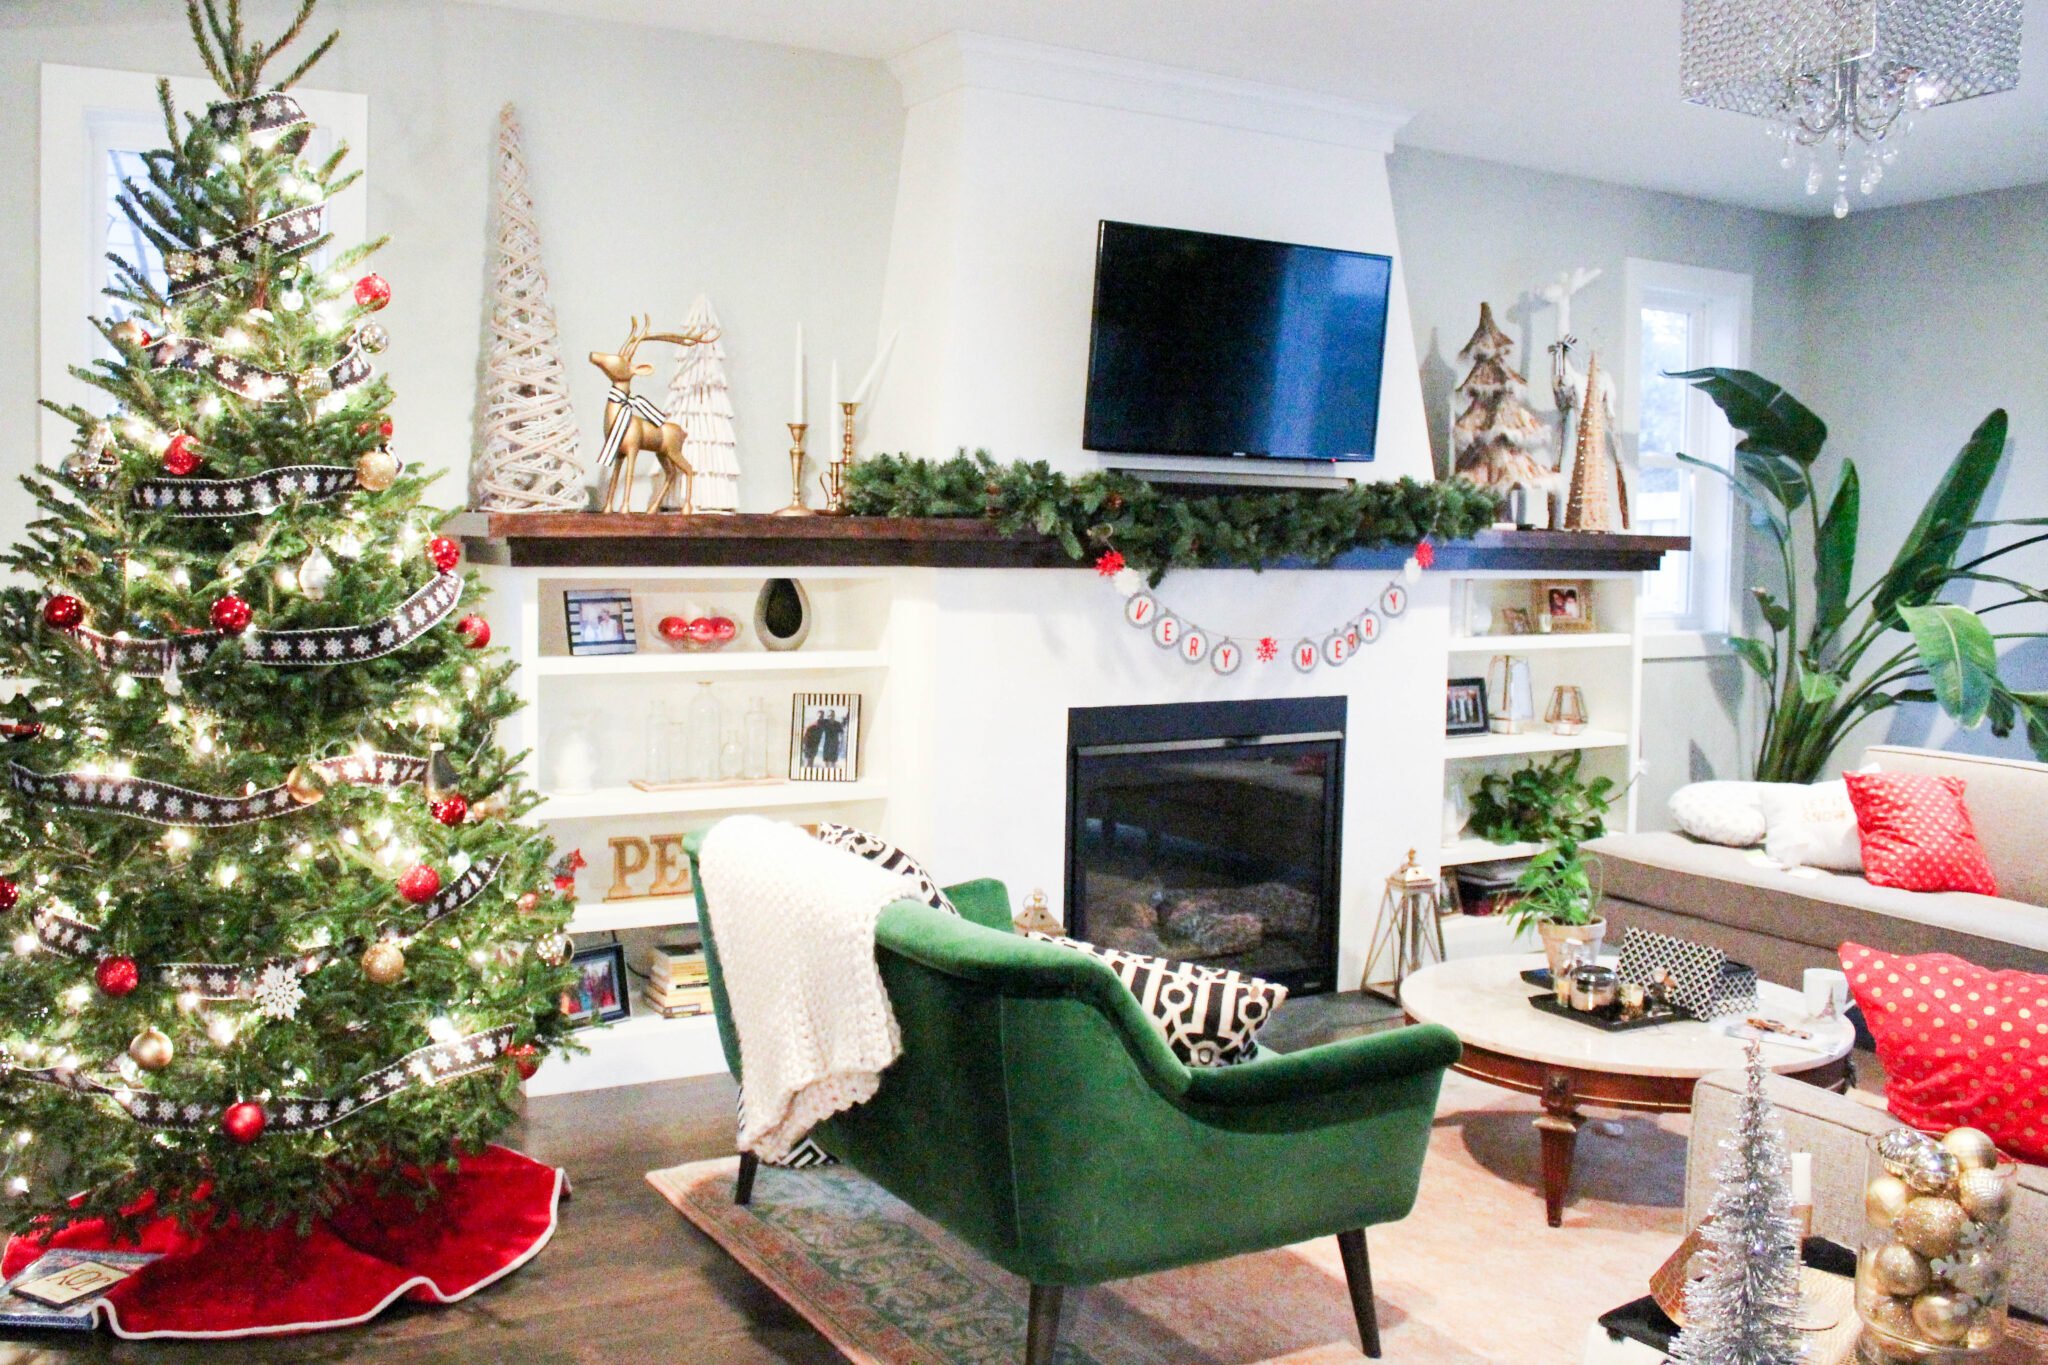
{"x": 1916, "y": 833}
{"x": 1960, "y": 1044}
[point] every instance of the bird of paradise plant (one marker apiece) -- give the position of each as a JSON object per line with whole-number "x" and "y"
{"x": 1834, "y": 658}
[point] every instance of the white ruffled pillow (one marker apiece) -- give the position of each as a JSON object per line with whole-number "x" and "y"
{"x": 1728, "y": 813}
{"x": 1812, "y": 827}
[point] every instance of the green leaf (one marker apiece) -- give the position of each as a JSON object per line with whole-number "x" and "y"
{"x": 1928, "y": 552}
{"x": 1959, "y": 655}
{"x": 2033, "y": 708}
{"x": 1775, "y": 614}
{"x": 1760, "y": 511}
{"x": 1755, "y": 653}
{"x": 1834, "y": 554}
{"x": 1817, "y": 687}
{"x": 1781, "y": 478}
{"x": 1771, "y": 420}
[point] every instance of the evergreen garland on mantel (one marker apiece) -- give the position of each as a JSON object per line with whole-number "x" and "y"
{"x": 1156, "y": 530}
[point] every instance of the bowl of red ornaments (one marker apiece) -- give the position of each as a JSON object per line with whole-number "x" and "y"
{"x": 693, "y": 633}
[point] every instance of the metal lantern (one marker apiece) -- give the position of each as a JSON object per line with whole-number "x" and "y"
{"x": 1566, "y": 714}
{"x": 1408, "y": 931}
{"x": 1510, "y": 695}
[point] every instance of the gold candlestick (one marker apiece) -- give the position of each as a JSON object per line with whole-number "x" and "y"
{"x": 796, "y": 506}
{"x": 837, "y": 471}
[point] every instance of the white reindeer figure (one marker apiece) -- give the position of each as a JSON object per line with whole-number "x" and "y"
{"x": 1567, "y": 380}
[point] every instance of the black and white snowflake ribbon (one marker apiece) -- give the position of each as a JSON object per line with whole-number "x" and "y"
{"x": 273, "y": 114}
{"x": 426, "y": 1066}
{"x": 161, "y": 803}
{"x": 250, "y": 496}
{"x": 283, "y": 234}
{"x": 311, "y": 648}
{"x": 247, "y": 379}
{"x": 629, "y": 405}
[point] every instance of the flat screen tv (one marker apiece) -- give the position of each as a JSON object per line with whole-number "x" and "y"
{"x": 1211, "y": 345}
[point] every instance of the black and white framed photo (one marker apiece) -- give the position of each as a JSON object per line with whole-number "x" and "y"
{"x": 600, "y": 621}
{"x": 600, "y": 994}
{"x": 1465, "y": 706}
{"x": 824, "y": 737}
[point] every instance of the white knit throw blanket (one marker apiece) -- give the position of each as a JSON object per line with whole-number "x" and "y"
{"x": 795, "y": 926}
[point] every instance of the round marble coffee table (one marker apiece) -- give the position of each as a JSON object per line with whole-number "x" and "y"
{"x": 1511, "y": 1043}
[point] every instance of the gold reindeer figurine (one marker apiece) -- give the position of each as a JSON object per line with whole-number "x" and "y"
{"x": 633, "y": 423}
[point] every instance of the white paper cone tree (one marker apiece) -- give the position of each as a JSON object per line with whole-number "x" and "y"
{"x": 700, "y": 401}
{"x": 528, "y": 456}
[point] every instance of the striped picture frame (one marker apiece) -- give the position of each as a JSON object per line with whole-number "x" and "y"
{"x": 600, "y": 621}
{"x": 824, "y": 737}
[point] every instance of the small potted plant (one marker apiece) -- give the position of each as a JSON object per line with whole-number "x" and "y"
{"x": 1559, "y": 893}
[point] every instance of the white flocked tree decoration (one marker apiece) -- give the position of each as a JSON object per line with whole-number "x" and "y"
{"x": 528, "y": 457}
{"x": 1745, "y": 1309}
{"x": 700, "y": 401}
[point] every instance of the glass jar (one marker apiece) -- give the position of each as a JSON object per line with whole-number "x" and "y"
{"x": 758, "y": 726}
{"x": 707, "y": 730}
{"x": 1934, "y": 1270}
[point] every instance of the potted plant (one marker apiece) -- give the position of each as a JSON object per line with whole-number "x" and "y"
{"x": 1559, "y": 894}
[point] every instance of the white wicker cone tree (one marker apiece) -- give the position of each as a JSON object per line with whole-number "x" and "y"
{"x": 700, "y": 401}
{"x": 528, "y": 456}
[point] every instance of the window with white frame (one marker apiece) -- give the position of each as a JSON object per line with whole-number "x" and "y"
{"x": 1683, "y": 318}
{"x": 96, "y": 124}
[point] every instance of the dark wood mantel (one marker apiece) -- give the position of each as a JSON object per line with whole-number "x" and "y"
{"x": 649, "y": 540}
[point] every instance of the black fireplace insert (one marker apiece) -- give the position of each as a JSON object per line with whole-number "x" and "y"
{"x": 1208, "y": 832}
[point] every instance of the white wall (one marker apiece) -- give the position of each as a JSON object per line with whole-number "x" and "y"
{"x": 764, "y": 176}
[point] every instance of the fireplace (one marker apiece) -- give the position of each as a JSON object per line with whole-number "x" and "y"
{"x": 1208, "y": 832}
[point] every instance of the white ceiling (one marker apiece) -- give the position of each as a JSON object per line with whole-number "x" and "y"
{"x": 1584, "y": 87}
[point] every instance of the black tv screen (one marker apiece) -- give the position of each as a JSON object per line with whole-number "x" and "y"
{"x": 1212, "y": 345}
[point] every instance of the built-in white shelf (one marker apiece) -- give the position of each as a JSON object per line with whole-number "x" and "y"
{"x": 724, "y": 662}
{"x": 609, "y": 802}
{"x": 1538, "y": 644}
{"x": 1471, "y": 850}
{"x": 645, "y": 1047}
{"x": 1536, "y": 742}
{"x": 647, "y": 912}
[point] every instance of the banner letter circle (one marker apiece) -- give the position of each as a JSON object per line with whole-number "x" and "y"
{"x": 1306, "y": 654}
{"x": 1139, "y": 609}
{"x": 1166, "y": 632}
{"x": 1336, "y": 649}
{"x": 1394, "y": 600}
{"x": 1226, "y": 657}
{"x": 1368, "y": 627}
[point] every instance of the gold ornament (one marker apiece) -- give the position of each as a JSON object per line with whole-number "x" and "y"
{"x": 1985, "y": 1194}
{"x": 129, "y": 332}
{"x": 384, "y": 962}
{"x": 84, "y": 563}
{"x": 1972, "y": 1147}
{"x": 1941, "y": 1316}
{"x": 151, "y": 1049}
{"x": 554, "y": 949}
{"x": 1933, "y": 1226}
{"x": 1895, "y": 1147}
{"x": 180, "y": 263}
{"x": 1885, "y": 1199}
{"x": 1983, "y": 1335}
{"x": 1931, "y": 1170}
{"x": 1899, "y": 1269}
{"x": 376, "y": 470}
{"x": 1892, "y": 1317}
{"x": 305, "y": 784}
{"x": 496, "y": 806}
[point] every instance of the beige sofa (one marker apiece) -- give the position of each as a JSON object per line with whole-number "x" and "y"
{"x": 1783, "y": 922}
{"x": 1836, "y": 1129}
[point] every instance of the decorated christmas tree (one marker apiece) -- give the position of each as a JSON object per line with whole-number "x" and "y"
{"x": 274, "y": 933}
{"x": 1497, "y": 442}
{"x": 700, "y": 401}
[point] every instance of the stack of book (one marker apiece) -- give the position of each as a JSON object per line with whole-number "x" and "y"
{"x": 678, "y": 983}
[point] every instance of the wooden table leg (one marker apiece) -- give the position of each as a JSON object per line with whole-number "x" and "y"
{"x": 1559, "y": 1126}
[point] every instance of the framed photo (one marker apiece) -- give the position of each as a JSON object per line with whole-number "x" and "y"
{"x": 600, "y": 621}
{"x": 1465, "y": 707}
{"x": 824, "y": 737}
{"x": 1515, "y": 621}
{"x": 601, "y": 992}
{"x": 1564, "y": 605}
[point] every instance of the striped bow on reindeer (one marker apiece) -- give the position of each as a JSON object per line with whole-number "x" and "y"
{"x": 633, "y": 424}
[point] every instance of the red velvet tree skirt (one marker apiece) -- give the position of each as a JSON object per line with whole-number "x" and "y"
{"x": 491, "y": 1218}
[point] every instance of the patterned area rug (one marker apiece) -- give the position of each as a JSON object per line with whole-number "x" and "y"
{"x": 1472, "y": 1276}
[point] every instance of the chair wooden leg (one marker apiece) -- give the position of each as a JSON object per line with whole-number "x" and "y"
{"x": 1358, "y": 1274}
{"x": 1043, "y": 1333}
{"x": 743, "y": 1189}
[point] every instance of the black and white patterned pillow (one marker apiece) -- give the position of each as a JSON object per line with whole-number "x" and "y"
{"x": 886, "y": 855}
{"x": 1210, "y": 1016}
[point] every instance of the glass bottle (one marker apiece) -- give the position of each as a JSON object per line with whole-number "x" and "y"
{"x": 707, "y": 726}
{"x": 575, "y": 753}
{"x": 758, "y": 727}
{"x": 675, "y": 744}
{"x": 729, "y": 754}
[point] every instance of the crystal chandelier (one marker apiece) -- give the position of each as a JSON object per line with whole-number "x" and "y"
{"x": 1846, "y": 75}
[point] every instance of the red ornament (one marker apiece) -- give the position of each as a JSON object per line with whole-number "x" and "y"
{"x": 244, "y": 1121}
{"x": 20, "y": 731}
{"x": 1425, "y": 553}
{"x": 63, "y": 611}
{"x": 474, "y": 630}
{"x": 230, "y": 614}
{"x": 525, "y": 1059}
{"x": 118, "y": 976}
{"x": 181, "y": 455}
{"x": 1269, "y": 649}
{"x": 1110, "y": 563}
{"x": 674, "y": 628}
{"x": 565, "y": 883}
{"x": 10, "y": 893}
{"x": 451, "y": 810}
{"x": 419, "y": 883}
{"x": 528, "y": 902}
{"x": 444, "y": 553}
{"x": 384, "y": 427}
{"x": 372, "y": 292}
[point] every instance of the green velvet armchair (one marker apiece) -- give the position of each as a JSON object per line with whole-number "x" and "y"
{"x": 1037, "y": 1114}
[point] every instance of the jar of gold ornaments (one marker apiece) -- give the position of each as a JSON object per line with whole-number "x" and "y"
{"x": 1933, "y": 1272}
